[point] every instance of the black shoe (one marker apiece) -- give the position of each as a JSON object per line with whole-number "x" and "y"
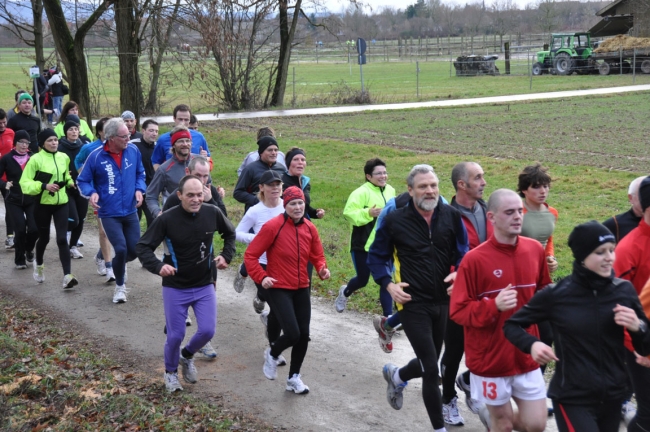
{"x": 29, "y": 256}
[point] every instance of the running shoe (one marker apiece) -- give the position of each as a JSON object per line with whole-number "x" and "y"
{"x": 264, "y": 317}
{"x": 258, "y": 305}
{"x": 80, "y": 243}
{"x": 101, "y": 266}
{"x": 473, "y": 404}
{"x": 38, "y": 272}
{"x": 188, "y": 369}
{"x": 394, "y": 393}
{"x": 188, "y": 321}
{"x": 384, "y": 336}
{"x": 239, "y": 283}
{"x": 208, "y": 352}
{"x": 341, "y": 300}
{"x": 296, "y": 385}
{"x": 450, "y": 413}
{"x": 119, "y": 295}
{"x": 29, "y": 256}
{"x": 484, "y": 416}
{"x": 110, "y": 276}
{"x": 171, "y": 382}
{"x": 9, "y": 242}
{"x": 281, "y": 361}
{"x": 628, "y": 411}
{"x": 270, "y": 368}
{"x": 21, "y": 266}
{"x": 69, "y": 281}
{"x": 74, "y": 253}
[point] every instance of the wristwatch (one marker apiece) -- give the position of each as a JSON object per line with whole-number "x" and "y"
{"x": 643, "y": 327}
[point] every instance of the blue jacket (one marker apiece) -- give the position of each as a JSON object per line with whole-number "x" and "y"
{"x": 115, "y": 186}
{"x": 80, "y": 160}
{"x": 164, "y": 144}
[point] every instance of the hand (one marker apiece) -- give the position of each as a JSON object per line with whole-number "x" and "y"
{"x": 643, "y": 361}
{"x": 207, "y": 193}
{"x": 552, "y": 264}
{"x": 138, "y": 199}
{"x": 374, "y": 211}
{"x": 451, "y": 278}
{"x": 268, "y": 282}
{"x": 542, "y": 353}
{"x": 9, "y": 185}
{"x": 320, "y": 213}
{"x": 221, "y": 191}
{"x": 167, "y": 270}
{"x": 507, "y": 299}
{"x": 396, "y": 291}
{"x": 51, "y": 187}
{"x": 203, "y": 153}
{"x": 221, "y": 262}
{"x": 324, "y": 273}
{"x": 94, "y": 198}
{"x": 625, "y": 317}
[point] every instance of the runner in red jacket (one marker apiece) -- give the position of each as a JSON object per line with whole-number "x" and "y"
{"x": 495, "y": 280}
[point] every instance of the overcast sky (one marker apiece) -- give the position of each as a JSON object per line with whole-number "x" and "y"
{"x": 339, "y": 5}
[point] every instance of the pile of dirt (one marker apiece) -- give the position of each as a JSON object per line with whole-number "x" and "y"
{"x": 622, "y": 41}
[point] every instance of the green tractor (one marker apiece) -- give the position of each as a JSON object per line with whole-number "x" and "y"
{"x": 568, "y": 53}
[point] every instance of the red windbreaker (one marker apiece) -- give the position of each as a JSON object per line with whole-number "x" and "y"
{"x": 482, "y": 274}
{"x": 288, "y": 248}
{"x": 6, "y": 144}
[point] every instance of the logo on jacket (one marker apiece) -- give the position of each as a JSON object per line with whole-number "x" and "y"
{"x": 498, "y": 273}
{"x": 111, "y": 179}
{"x": 126, "y": 163}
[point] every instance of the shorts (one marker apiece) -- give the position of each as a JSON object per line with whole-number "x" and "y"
{"x": 498, "y": 391}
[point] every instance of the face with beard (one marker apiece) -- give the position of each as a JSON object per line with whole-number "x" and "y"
{"x": 425, "y": 191}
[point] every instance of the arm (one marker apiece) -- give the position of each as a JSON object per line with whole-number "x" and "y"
{"x": 145, "y": 249}
{"x": 356, "y": 208}
{"x": 262, "y": 241}
{"x": 217, "y": 200}
{"x": 389, "y": 207}
{"x": 227, "y": 231}
{"x": 465, "y": 307}
{"x": 247, "y": 160}
{"x": 316, "y": 252}
{"x": 626, "y": 263}
{"x": 245, "y": 225}
{"x": 380, "y": 256}
{"x": 550, "y": 249}
{"x": 462, "y": 241}
{"x": 535, "y": 311}
{"x": 158, "y": 156}
{"x": 28, "y": 185}
{"x": 241, "y": 192}
{"x": 141, "y": 177}
{"x": 85, "y": 180}
{"x": 153, "y": 192}
{"x": 311, "y": 212}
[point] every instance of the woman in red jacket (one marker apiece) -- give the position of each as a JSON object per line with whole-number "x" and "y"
{"x": 290, "y": 242}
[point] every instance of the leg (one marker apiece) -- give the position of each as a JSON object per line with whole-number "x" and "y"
{"x": 302, "y": 308}
{"x": 115, "y": 234}
{"x": 104, "y": 244}
{"x": 641, "y": 383}
{"x": 454, "y": 348}
{"x": 531, "y": 415}
{"x": 386, "y": 302}
{"x": 73, "y": 216}
{"x": 578, "y": 417}
{"x": 32, "y": 228}
{"x": 131, "y": 227}
{"x": 609, "y": 415}
{"x": 43, "y": 216}
{"x": 501, "y": 417}
{"x": 281, "y": 301}
{"x": 363, "y": 273}
{"x": 15, "y": 212}
{"x": 205, "y": 310}
{"x": 8, "y": 222}
{"x": 81, "y": 208}
{"x": 60, "y": 220}
{"x": 176, "y": 304}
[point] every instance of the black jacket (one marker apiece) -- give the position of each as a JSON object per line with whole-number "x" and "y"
{"x": 9, "y": 166}
{"x": 72, "y": 149}
{"x": 29, "y": 123}
{"x": 146, "y": 149}
{"x": 173, "y": 200}
{"x": 621, "y": 225}
{"x": 248, "y": 183}
{"x": 425, "y": 256}
{"x": 588, "y": 342}
{"x": 189, "y": 238}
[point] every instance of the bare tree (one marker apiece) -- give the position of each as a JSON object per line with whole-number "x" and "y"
{"x": 474, "y": 15}
{"x": 503, "y": 17}
{"x": 449, "y": 21}
{"x": 287, "y": 34}
{"x": 71, "y": 49}
{"x": 30, "y": 33}
{"x": 547, "y": 15}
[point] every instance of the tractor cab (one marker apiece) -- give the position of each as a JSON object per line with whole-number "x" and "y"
{"x": 568, "y": 53}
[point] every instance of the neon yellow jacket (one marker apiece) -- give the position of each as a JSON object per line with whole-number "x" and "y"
{"x": 84, "y": 129}
{"x": 356, "y": 212}
{"x": 56, "y": 164}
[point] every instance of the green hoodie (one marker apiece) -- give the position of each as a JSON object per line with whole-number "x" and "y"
{"x": 56, "y": 164}
{"x": 356, "y": 212}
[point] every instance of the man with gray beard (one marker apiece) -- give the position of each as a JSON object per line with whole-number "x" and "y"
{"x": 426, "y": 238}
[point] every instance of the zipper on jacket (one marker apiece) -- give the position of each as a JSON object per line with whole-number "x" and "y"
{"x": 600, "y": 357}
{"x": 298, "y": 248}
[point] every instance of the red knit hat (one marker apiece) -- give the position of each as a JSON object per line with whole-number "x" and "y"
{"x": 292, "y": 193}
{"x": 181, "y": 134}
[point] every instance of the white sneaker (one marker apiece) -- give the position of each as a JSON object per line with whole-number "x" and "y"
{"x": 208, "y": 352}
{"x": 80, "y": 243}
{"x": 270, "y": 368}
{"x": 341, "y": 300}
{"x": 281, "y": 361}
{"x": 171, "y": 382}
{"x": 264, "y": 317}
{"x": 101, "y": 266}
{"x": 190, "y": 374}
{"x": 296, "y": 385}
{"x": 110, "y": 276}
{"x": 239, "y": 283}
{"x": 450, "y": 413}
{"x": 38, "y": 272}
{"x": 628, "y": 411}
{"x": 119, "y": 295}
{"x": 74, "y": 253}
{"x": 69, "y": 281}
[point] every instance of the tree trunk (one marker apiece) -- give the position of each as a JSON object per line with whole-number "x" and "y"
{"x": 286, "y": 41}
{"x": 127, "y": 27}
{"x": 72, "y": 50}
{"x": 37, "y": 11}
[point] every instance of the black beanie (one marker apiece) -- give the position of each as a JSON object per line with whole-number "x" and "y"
{"x": 73, "y": 118}
{"x": 21, "y": 135}
{"x": 587, "y": 237}
{"x": 68, "y": 124}
{"x": 44, "y": 135}
{"x": 292, "y": 154}
{"x": 644, "y": 193}
{"x": 266, "y": 142}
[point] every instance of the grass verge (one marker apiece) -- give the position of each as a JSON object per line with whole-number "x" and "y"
{"x": 54, "y": 379}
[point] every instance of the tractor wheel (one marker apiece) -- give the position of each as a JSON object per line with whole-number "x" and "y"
{"x": 645, "y": 66}
{"x": 538, "y": 69}
{"x": 563, "y": 64}
{"x": 604, "y": 68}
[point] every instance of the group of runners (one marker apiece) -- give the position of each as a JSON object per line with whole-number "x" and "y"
{"x": 471, "y": 275}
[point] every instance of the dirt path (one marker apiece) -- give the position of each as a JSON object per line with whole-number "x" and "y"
{"x": 342, "y": 368}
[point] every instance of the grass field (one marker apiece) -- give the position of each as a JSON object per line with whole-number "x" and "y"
{"x": 594, "y": 148}
{"x": 320, "y": 84}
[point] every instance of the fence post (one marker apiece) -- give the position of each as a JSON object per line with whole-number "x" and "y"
{"x": 634, "y": 68}
{"x": 507, "y": 47}
{"x": 417, "y": 79}
{"x": 293, "y": 99}
{"x": 620, "y": 62}
{"x": 450, "y": 62}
